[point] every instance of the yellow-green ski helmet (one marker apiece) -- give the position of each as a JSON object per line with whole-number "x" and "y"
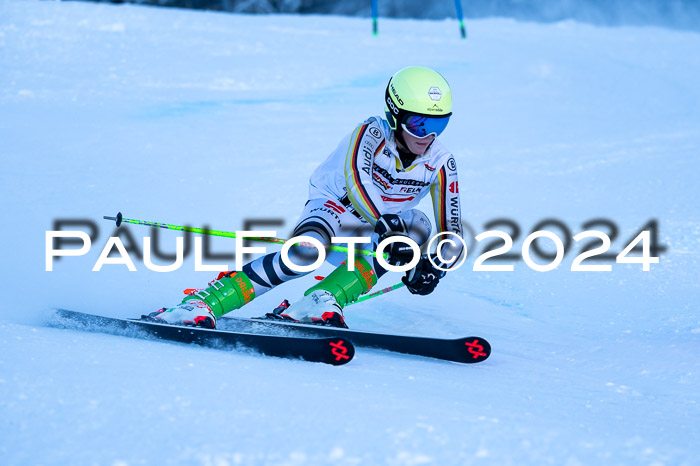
{"x": 418, "y": 100}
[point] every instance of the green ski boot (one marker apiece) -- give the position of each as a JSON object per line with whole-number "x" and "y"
{"x": 324, "y": 302}
{"x": 201, "y": 308}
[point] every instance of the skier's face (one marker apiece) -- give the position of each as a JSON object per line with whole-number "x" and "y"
{"x": 416, "y": 145}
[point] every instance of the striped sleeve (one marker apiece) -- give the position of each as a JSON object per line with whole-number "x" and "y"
{"x": 446, "y": 206}
{"x": 438, "y": 191}
{"x": 365, "y": 143}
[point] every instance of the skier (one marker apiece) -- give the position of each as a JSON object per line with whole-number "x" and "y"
{"x": 369, "y": 185}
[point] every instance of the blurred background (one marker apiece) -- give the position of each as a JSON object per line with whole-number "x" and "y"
{"x": 568, "y": 116}
{"x": 679, "y": 14}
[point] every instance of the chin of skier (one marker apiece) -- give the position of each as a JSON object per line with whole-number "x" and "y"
{"x": 368, "y": 186}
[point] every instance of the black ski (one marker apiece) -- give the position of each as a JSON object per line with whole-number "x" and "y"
{"x": 466, "y": 350}
{"x": 330, "y": 349}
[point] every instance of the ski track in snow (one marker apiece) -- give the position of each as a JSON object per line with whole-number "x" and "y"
{"x": 201, "y": 118}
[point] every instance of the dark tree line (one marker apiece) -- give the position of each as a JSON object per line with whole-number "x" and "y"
{"x": 682, "y": 14}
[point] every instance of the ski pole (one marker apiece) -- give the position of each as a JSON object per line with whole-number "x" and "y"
{"x": 371, "y": 295}
{"x": 378, "y": 293}
{"x": 119, "y": 219}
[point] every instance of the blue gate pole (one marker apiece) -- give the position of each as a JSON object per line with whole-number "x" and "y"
{"x": 374, "y": 16}
{"x": 460, "y": 17}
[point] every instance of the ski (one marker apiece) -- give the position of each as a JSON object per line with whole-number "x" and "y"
{"x": 465, "y": 350}
{"x": 329, "y": 349}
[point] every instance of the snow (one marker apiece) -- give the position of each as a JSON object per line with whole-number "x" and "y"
{"x": 210, "y": 119}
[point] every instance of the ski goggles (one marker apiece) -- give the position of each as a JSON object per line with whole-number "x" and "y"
{"x": 421, "y": 126}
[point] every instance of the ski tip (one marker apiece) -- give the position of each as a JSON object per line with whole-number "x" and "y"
{"x": 476, "y": 349}
{"x": 340, "y": 351}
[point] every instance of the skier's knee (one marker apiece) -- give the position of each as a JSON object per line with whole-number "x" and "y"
{"x": 303, "y": 255}
{"x": 307, "y": 255}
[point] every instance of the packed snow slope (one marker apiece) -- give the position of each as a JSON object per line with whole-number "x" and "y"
{"x": 213, "y": 119}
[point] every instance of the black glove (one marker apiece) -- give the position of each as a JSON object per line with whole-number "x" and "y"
{"x": 389, "y": 225}
{"x": 424, "y": 277}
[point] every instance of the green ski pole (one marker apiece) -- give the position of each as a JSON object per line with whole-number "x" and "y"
{"x": 378, "y": 293}
{"x": 119, "y": 219}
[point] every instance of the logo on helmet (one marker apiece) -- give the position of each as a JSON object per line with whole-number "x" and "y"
{"x": 391, "y": 105}
{"x": 435, "y": 93}
{"x": 396, "y": 94}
